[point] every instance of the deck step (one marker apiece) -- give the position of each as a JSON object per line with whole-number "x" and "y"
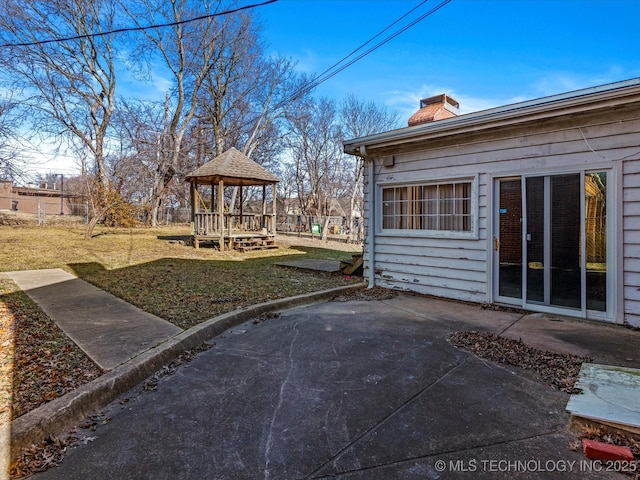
{"x": 254, "y": 243}
{"x": 250, "y": 248}
{"x": 353, "y": 266}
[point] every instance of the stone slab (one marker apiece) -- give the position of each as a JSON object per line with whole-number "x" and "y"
{"x": 609, "y": 394}
{"x": 325, "y": 266}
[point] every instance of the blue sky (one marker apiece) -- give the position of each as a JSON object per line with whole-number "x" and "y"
{"x": 484, "y": 53}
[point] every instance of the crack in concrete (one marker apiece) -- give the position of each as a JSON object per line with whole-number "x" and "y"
{"x": 432, "y": 455}
{"x": 385, "y": 419}
{"x": 513, "y": 323}
{"x": 274, "y": 417}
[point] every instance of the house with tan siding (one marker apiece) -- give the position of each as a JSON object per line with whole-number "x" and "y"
{"x": 40, "y": 200}
{"x": 534, "y": 205}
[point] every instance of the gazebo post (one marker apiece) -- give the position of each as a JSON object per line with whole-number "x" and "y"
{"x": 212, "y": 207}
{"x": 273, "y": 212}
{"x": 241, "y": 219}
{"x": 221, "y": 212}
{"x": 192, "y": 195}
{"x": 264, "y": 206}
{"x": 235, "y": 169}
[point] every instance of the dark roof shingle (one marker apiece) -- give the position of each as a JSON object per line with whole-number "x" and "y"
{"x": 234, "y": 168}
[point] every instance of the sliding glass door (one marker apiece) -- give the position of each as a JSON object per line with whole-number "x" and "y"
{"x": 550, "y": 241}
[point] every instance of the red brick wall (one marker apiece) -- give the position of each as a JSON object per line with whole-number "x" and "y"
{"x": 511, "y": 222}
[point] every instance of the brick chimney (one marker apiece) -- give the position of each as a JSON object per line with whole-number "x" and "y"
{"x": 435, "y": 108}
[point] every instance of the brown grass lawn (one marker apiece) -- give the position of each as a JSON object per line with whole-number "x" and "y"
{"x": 176, "y": 282}
{"x": 147, "y": 267}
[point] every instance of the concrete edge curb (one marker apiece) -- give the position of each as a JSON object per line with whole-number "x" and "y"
{"x": 63, "y": 413}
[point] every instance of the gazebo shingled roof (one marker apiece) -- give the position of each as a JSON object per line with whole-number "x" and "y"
{"x": 235, "y": 169}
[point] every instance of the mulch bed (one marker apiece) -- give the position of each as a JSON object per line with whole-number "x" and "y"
{"x": 559, "y": 370}
{"x": 38, "y": 361}
{"x": 52, "y": 451}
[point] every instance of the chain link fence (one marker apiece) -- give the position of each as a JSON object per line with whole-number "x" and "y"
{"x": 41, "y": 211}
{"x": 174, "y": 216}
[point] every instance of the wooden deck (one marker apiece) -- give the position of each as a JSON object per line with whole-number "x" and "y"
{"x": 247, "y": 242}
{"x": 243, "y": 233}
{"x": 243, "y": 242}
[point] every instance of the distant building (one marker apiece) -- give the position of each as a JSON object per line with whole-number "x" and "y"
{"x": 39, "y": 199}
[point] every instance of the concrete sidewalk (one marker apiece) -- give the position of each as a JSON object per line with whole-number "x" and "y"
{"x": 353, "y": 390}
{"x": 117, "y": 342}
{"x": 109, "y": 330}
{"x": 348, "y": 390}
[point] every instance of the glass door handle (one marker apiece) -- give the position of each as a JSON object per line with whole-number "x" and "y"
{"x": 496, "y": 243}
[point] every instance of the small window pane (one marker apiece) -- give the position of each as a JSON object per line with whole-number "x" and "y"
{"x": 436, "y": 206}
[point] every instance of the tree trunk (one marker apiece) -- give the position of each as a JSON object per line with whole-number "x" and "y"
{"x": 325, "y": 228}
{"x": 154, "y": 212}
{"x": 88, "y": 234}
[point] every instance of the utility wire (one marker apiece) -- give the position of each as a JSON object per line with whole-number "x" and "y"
{"x": 136, "y": 29}
{"x": 321, "y": 78}
{"x": 330, "y": 72}
{"x": 372, "y": 39}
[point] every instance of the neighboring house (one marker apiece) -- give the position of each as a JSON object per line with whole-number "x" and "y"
{"x": 534, "y": 205}
{"x": 39, "y": 200}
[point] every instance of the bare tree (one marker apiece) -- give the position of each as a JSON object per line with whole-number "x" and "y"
{"x": 188, "y": 51}
{"x": 315, "y": 146}
{"x": 224, "y": 90}
{"x": 140, "y": 155}
{"x": 62, "y": 64}
{"x": 141, "y": 127}
{"x": 10, "y": 161}
{"x": 246, "y": 94}
{"x": 359, "y": 118}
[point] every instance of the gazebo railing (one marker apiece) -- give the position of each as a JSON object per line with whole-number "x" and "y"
{"x": 208, "y": 223}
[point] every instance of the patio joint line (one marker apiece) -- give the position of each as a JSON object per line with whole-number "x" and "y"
{"x": 401, "y": 407}
{"x": 512, "y": 324}
{"x": 448, "y": 452}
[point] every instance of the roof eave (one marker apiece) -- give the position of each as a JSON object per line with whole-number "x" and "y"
{"x": 230, "y": 181}
{"x": 571, "y": 102}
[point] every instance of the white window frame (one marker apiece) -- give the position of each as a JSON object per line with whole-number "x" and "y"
{"x": 424, "y": 233}
{"x": 613, "y": 242}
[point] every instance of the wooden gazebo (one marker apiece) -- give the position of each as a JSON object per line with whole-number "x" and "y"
{"x": 212, "y": 222}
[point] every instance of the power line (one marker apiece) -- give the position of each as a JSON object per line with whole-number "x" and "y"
{"x": 321, "y": 78}
{"x": 330, "y": 72}
{"x": 136, "y": 29}
{"x": 372, "y": 38}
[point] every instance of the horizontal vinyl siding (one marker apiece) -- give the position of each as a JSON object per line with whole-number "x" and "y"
{"x": 448, "y": 267}
{"x": 431, "y": 266}
{"x": 444, "y": 290}
{"x": 436, "y": 248}
{"x": 537, "y": 149}
{"x": 458, "y": 268}
{"x": 631, "y": 236}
